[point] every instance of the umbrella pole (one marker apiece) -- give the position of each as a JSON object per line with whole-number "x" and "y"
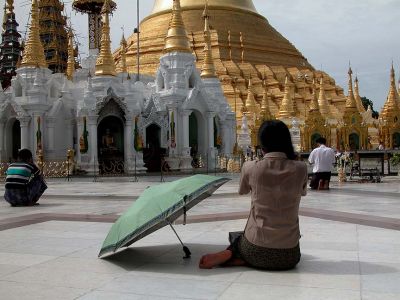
{"x": 185, "y": 249}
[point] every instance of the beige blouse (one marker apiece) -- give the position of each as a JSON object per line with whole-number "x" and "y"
{"x": 276, "y": 185}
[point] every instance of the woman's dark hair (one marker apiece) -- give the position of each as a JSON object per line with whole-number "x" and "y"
{"x": 25, "y": 155}
{"x": 274, "y": 136}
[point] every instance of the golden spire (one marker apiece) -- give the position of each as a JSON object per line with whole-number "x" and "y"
{"x": 208, "y": 68}
{"x": 391, "y": 106}
{"x": 105, "y": 62}
{"x": 34, "y": 51}
{"x": 265, "y": 111}
{"x": 322, "y": 100}
{"x": 314, "y": 105}
{"x": 251, "y": 104}
{"x": 351, "y": 101}
{"x": 124, "y": 44}
{"x": 177, "y": 39}
{"x": 9, "y": 6}
{"x": 360, "y": 106}
{"x": 286, "y": 109}
{"x": 71, "y": 56}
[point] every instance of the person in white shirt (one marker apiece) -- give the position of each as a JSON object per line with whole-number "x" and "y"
{"x": 322, "y": 158}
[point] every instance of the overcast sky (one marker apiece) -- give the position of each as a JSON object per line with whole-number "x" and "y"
{"x": 330, "y": 33}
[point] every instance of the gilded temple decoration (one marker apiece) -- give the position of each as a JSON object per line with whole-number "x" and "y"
{"x": 105, "y": 62}
{"x": 322, "y": 100}
{"x": 251, "y": 106}
{"x": 359, "y": 103}
{"x": 243, "y": 43}
{"x": 353, "y": 132}
{"x": 122, "y": 68}
{"x": 390, "y": 116}
{"x": 71, "y": 56}
{"x": 265, "y": 110}
{"x": 54, "y": 34}
{"x": 286, "y": 110}
{"x": 208, "y": 68}
{"x": 177, "y": 39}
{"x": 315, "y": 125}
{"x": 34, "y": 52}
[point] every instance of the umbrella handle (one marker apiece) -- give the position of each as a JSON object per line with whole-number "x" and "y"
{"x": 185, "y": 248}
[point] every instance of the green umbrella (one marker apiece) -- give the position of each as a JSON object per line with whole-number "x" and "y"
{"x": 157, "y": 207}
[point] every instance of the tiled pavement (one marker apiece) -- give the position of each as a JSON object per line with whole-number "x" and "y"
{"x": 50, "y": 251}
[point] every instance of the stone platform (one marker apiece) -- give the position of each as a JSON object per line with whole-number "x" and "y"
{"x": 350, "y": 246}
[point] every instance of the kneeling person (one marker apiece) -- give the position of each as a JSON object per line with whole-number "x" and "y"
{"x": 323, "y": 159}
{"x": 24, "y": 182}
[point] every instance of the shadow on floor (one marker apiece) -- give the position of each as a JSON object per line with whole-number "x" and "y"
{"x": 169, "y": 259}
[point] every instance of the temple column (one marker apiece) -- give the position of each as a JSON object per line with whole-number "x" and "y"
{"x": 24, "y": 124}
{"x": 94, "y": 160}
{"x": 173, "y": 160}
{"x": 38, "y": 132}
{"x": 128, "y": 146}
{"x": 2, "y": 123}
{"x": 186, "y": 160}
{"x": 211, "y": 149}
{"x": 70, "y": 134}
{"x": 50, "y": 136}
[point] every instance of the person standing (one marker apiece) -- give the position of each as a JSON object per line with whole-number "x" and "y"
{"x": 322, "y": 158}
{"x": 24, "y": 181}
{"x": 276, "y": 182}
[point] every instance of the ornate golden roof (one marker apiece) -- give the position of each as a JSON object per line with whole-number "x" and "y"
{"x": 164, "y": 5}
{"x": 243, "y": 43}
{"x": 208, "y": 68}
{"x": 286, "y": 110}
{"x": 322, "y": 100}
{"x": 177, "y": 39}
{"x": 91, "y": 6}
{"x": 122, "y": 66}
{"x": 351, "y": 101}
{"x": 33, "y": 55}
{"x": 251, "y": 104}
{"x": 265, "y": 110}
{"x": 105, "y": 62}
{"x": 359, "y": 103}
{"x": 391, "y": 107}
{"x": 71, "y": 56}
{"x": 314, "y": 105}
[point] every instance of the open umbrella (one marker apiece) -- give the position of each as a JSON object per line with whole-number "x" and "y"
{"x": 157, "y": 207}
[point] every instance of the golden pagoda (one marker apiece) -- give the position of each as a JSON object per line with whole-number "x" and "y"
{"x": 208, "y": 68}
{"x": 286, "y": 110}
{"x": 33, "y": 55}
{"x": 105, "y": 63}
{"x": 71, "y": 56}
{"x": 177, "y": 38}
{"x": 315, "y": 125}
{"x": 353, "y": 133}
{"x": 121, "y": 68}
{"x": 390, "y": 116}
{"x": 53, "y": 34}
{"x": 242, "y": 44}
{"x": 359, "y": 103}
{"x": 265, "y": 109}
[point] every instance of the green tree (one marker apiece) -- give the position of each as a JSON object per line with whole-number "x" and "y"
{"x": 367, "y": 102}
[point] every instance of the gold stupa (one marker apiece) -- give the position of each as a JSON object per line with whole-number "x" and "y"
{"x": 243, "y": 45}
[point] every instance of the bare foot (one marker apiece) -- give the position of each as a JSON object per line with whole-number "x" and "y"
{"x": 210, "y": 261}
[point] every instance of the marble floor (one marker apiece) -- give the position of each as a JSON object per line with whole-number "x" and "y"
{"x": 50, "y": 251}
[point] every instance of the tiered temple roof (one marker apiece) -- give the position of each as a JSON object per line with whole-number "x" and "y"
{"x": 10, "y": 48}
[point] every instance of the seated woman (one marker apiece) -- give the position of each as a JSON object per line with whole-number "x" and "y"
{"x": 24, "y": 182}
{"x": 271, "y": 237}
